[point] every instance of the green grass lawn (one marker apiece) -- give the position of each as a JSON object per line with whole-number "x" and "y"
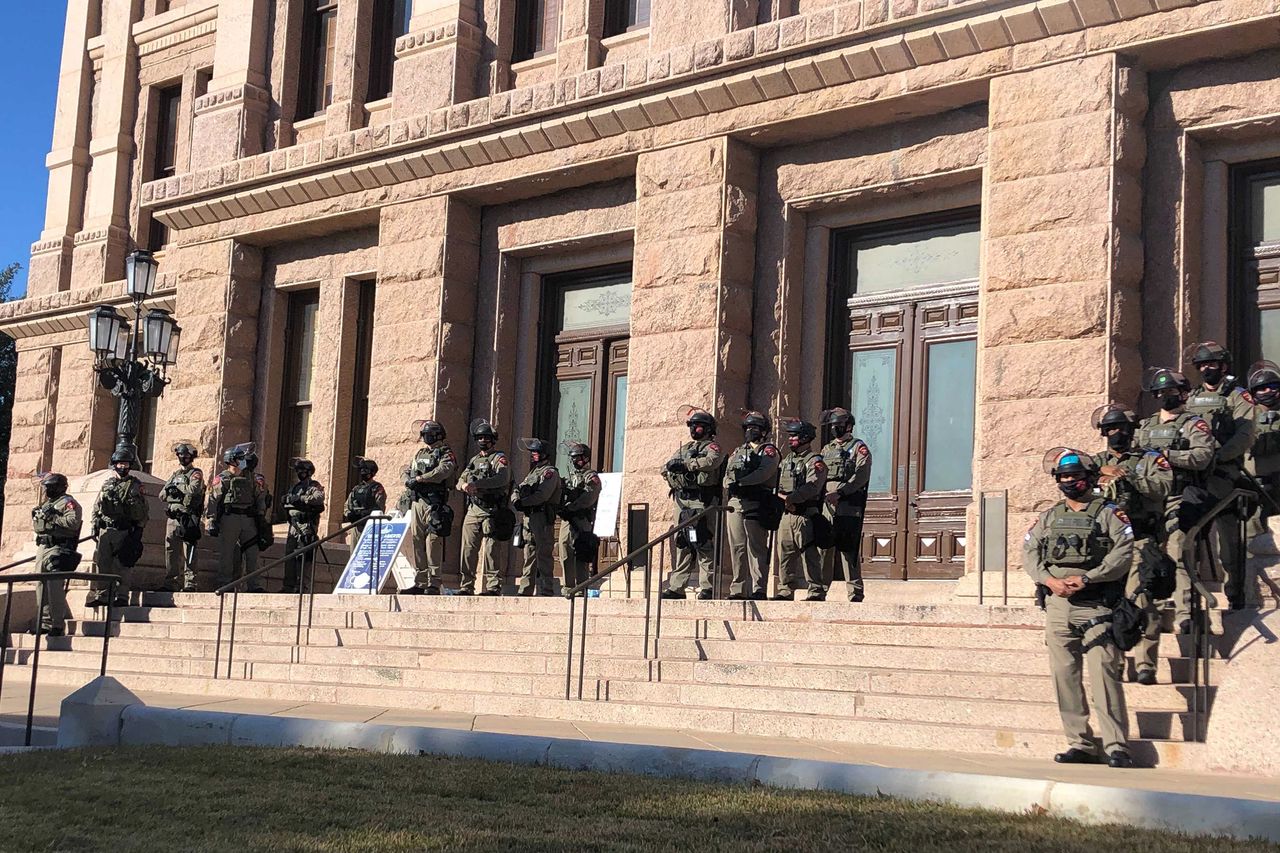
{"x": 217, "y": 798}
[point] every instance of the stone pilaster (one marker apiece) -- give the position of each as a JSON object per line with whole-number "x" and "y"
{"x": 691, "y": 299}
{"x": 1063, "y": 266}
{"x": 436, "y": 63}
{"x": 681, "y": 24}
{"x": 84, "y": 431}
{"x": 351, "y": 66}
{"x": 68, "y": 160}
{"x": 230, "y": 119}
{"x": 35, "y": 408}
{"x": 581, "y": 25}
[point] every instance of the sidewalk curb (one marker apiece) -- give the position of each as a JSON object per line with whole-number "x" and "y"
{"x": 1091, "y": 804}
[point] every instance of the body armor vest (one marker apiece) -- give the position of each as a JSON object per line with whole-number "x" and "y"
{"x": 239, "y": 491}
{"x": 795, "y": 474}
{"x": 1266, "y": 443}
{"x": 1074, "y": 538}
{"x": 1214, "y": 407}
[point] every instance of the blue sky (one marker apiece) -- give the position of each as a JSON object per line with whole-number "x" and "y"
{"x": 28, "y": 87}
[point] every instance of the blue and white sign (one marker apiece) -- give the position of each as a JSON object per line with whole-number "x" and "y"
{"x": 374, "y": 555}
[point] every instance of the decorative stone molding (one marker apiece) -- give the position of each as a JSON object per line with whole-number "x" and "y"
{"x": 57, "y": 244}
{"x": 203, "y": 22}
{"x": 98, "y": 235}
{"x": 250, "y": 95}
{"x": 455, "y": 31}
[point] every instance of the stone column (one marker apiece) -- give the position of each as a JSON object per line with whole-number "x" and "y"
{"x": 578, "y": 47}
{"x": 68, "y": 160}
{"x": 436, "y": 63}
{"x": 85, "y": 429}
{"x": 230, "y": 119}
{"x": 691, "y": 300}
{"x": 1060, "y": 322}
{"x": 679, "y": 23}
{"x": 101, "y": 245}
{"x": 35, "y": 409}
{"x": 353, "y": 44}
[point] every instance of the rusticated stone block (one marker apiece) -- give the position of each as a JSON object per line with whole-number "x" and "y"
{"x": 1050, "y": 312}
{"x": 1062, "y": 255}
{"x": 1056, "y": 146}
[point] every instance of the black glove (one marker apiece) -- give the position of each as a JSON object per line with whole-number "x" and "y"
{"x": 677, "y": 466}
{"x": 214, "y": 529}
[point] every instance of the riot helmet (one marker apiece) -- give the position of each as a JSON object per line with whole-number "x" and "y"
{"x": 1074, "y": 471}
{"x": 755, "y": 426}
{"x": 539, "y": 451}
{"x": 367, "y": 467}
{"x": 431, "y": 431}
{"x": 579, "y": 454}
{"x": 839, "y": 420}
{"x": 1211, "y": 358}
{"x": 800, "y": 433}
{"x": 123, "y": 461}
{"x": 304, "y": 468}
{"x": 54, "y": 484}
{"x": 1264, "y": 382}
{"x": 1117, "y": 425}
{"x": 185, "y": 451}
{"x": 700, "y": 422}
{"x": 484, "y": 434}
{"x": 1168, "y": 386}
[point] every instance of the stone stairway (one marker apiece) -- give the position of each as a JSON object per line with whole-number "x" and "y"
{"x": 944, "y": 676}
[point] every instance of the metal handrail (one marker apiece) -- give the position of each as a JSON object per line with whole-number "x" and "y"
{"x": 1193, "y": 545}
{"x": 42, "y": 578}
{"x": 307, "y": 572}
{"x": 581, "y": 588}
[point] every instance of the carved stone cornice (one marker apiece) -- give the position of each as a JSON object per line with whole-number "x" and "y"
{"x": 459, "y": 32}
{"x": 251, "y": 96}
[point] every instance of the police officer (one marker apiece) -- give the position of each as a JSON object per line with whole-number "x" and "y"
{"x": 119, "y": 516}
{"x": 580, "y": 492}
{"x": 848, "y": 461}
{"x": 694, "y": 477}
{"x": 1080, "y": 550}
{"x": 303, "y": 504}
{"x": 1186, "y": 441}
{"x": 538, "y": 497}
{"x": 56, "y": 522}
{"x": 262, "y": 502}
{"x": 1263, "y": 461}
{"x": 367, "y": 497}
{"x": 801, "y": 485}
{"x": 183, "y": 496}
{"x": 1227, "y": 407}
{"x": 428, "y": 480}
{"x": 750, "y": 481}
{"x": 1139, "y": 483}
{"x": 486, "y": 481}
{"x": 234, "y": 504}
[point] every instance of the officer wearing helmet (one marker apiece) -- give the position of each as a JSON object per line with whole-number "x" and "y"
{"x": 183, "y": 496}
{"x": 262, "y": 503}
{"x": 538, "y": 497}
{"x": 580, "y": 492}
{"x": 1080, "y": 550}
{"x": 848, "y": 461}
{"x": 1263, "y": 460}
{"x": 1186, "y": 440}
{"x": 486, "y": 481}
{"x": 365, "y": 498}
{"x": 694, "y": 476}
{"x": 1229, "y": 409}
{"x": 801, "y": 485}
{"x": 1139, "y": 483}
{"x": 234, "y": 504}
{"x": 303, "y": 505}
{"x": 56, "y": 522}
{"x": 119, "y": 516}
{"x": 428, "y": 481}
{"x": 750, "y": 480}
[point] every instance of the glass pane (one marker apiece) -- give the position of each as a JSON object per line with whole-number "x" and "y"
{"x": 300, "y": 440}
{"x": 1265, "y": 216}
{"x": 1270, "y": 337}
{"x": 596, "y": 306}
{"x": 875, "y": 381}
{"x": 305, "y": 342}
{"x": 619, "y": 420}
{"x": 573, "y": 417}
{"x": 948, "y": 429}
{"x": 403, "y": 13}
{"x": 915, "y": 258}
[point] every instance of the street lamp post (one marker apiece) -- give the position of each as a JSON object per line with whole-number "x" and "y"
{"x": 132, "y": 359}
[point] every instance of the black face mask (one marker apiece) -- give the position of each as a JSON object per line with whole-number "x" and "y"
{"x": 697, "y": 432}
{"x": 1119, "y": 440}
{"x": 52, "y": 493}
{"x": 1171, "y": 403}
{"x": 1074, "y": 489}
{"x": 1211, "y": 375}
{"x": 840, "y": 429}
{"x": 1267, "y": 398}
{"x": 753, "y": 434}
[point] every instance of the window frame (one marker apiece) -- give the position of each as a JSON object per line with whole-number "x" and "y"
{"x": 315, "y": 83}
{"x": 298, "y": 302}
{"x": 530, "y": 38}
{"x": 1248, "y": 261}
{"x": 618, "y": 14}
{"x": 357, "y": 441}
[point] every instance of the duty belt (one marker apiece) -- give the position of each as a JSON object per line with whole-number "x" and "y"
{"x": 47, "y": 541}
{"x": 233, "y": 510}
{"x": 1099, "y": 594}
{"x": 705, "y": 495}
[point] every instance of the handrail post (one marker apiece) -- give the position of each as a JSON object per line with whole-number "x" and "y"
{"x": 231, "y": 639}
{"x": 648, "y": 598}
{"x": 217, "y": 643}
{"x": 106, "y": 629}
{"x": 4, "y": 633}
{"x": 582, "y": 647}
{"x": 568, "y": 665}
{"x": 311, "y": 597}
{"x": 35, "y": 671}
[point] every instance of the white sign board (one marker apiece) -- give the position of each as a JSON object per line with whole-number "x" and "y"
{"x": 366, "y": 571}
{"x": 608, "y": 505}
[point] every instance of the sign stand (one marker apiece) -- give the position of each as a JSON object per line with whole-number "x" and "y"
{"x": 377, "y": 556}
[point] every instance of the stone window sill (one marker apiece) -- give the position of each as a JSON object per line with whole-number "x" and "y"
{"x": 542, "y": 61}
{"x": 629, "y": 37}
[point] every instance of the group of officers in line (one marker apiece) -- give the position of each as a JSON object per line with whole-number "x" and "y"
{"x": 1102, "y": 555}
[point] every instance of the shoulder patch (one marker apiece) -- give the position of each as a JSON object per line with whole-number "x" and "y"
{"x": 319, "y": 488}
{"x": 1248, "y": 398}
{"x": 71, "y": 504}
{"x": 216, "y": 481}
{"x": 1202, "y": 425}
{"x": 451, "y": 457}
{"x": 713, "y": 446}
{"x": 197, "y": 475}
{"x": 1120, "y": 514}
{"x": 595, "y": 478}
{"x": 770, "y": 450}
{"x": 549, "y": 473}
{"x": 500, "y": 457}
{"x": 863, "y": 450}
{"x": 819, "y": 466}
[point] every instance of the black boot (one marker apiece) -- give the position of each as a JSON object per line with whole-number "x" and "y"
{"x": 671, "y": 594}
{"x": 1077, "y": 756}
{"x": 1120, "y": 760}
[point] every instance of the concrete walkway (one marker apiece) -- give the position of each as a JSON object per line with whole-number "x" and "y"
{"x": 13, "y": 705}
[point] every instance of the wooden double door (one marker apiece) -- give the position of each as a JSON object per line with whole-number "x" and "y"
{"x": 911, "y": 374}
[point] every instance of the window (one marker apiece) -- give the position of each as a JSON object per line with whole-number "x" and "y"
{"x": 1255, "y": 292}
{"x": 390, "y": 22}
{"x": 295, "y": 400}
{"x": 360, "y": 381}
{"x": 168, "y": 104}
{"x": 537, "y": 28}
{"x": 318, "y": 30}
{"x": 620, "y": 16}
{"x": 145, "y": 440}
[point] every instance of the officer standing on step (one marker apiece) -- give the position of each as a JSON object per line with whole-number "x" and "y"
{"x": 367, "y": 497}
{"x": 486, "y": 482}
{"x": 119, "y": 517}
{"x": 183, "y": 496}
{"x": 232, "y": 510}
{"x": 1263, "y": 459}
{"x": 750, "y": 481}
{"x": 1080, "y": 550}
{"x": 1139, "y": 483}
{"x": 303, "y": 505}
{"x": 694, "y": 477}
{"x": 538, "y": 497}
{"x": 848, "y": 462}
{"x": 56, "y": 522}
{"x": 428, "y": 480}
{"x": 801, "y": 486}
{"x": 1186, "y": 441}
{"x": 262, "y": 505}
{"x": 1228, "y": 408}
{"x": 580, "y": 492}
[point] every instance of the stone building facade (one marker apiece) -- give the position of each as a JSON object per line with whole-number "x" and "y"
{"x": 971, "y": 222}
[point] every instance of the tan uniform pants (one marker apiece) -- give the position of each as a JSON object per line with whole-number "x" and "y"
{"x": 700, "y": 556}
{"x": 428, "y": 548}
{"x": 1067, "y": 660}
{"x": 51, "y": 594}
{"x": 1146, "y": 652}
{"x": 575, "y": 571}
{"x": 106, "y": 560}
{"x": 749, "y": 550}
{"x": 479, "y": 554}
{"x": 179, "y": 573}
{"x": 538, "y": 553}
{"x": 799, "y": 563}
{"x": 238, "y": 550}
{"x": 849, "y": 560}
